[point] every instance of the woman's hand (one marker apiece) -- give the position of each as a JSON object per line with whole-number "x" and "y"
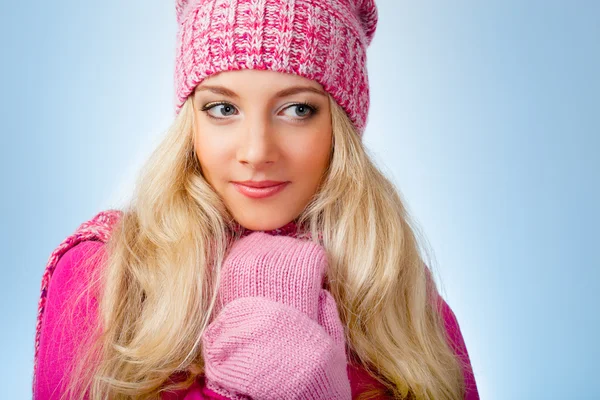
{"x": 277, "y": 334}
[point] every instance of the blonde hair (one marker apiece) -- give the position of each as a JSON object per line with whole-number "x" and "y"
{"x": 162, "y": 268}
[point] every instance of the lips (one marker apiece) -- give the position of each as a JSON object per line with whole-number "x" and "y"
{"x": 259, "y": 184}
{"x": 260, "y": 192}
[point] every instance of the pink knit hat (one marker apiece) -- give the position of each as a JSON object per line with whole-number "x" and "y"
{"x": 322, "y": 40}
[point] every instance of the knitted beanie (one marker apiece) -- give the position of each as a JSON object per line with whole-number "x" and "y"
{"x": 322, "y": 40}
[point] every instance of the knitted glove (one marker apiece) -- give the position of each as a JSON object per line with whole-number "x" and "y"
{"x": 278, "y": 334}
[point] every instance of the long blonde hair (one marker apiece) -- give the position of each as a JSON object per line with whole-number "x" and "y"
{"x": 162, "y": 268}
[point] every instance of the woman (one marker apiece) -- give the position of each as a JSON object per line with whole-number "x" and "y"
{"x": 308, "y": 286}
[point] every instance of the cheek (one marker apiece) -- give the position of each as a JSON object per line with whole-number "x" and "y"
{"x": 211, "y": 155}
{"x": 311, "y": 159}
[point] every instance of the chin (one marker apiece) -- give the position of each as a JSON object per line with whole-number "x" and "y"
{"x": 264, "y": 224}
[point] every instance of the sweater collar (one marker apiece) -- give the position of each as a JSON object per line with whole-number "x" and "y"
{"x": 291, "y": 229}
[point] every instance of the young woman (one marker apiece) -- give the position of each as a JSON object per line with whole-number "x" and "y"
{"x": 264, "y": 256}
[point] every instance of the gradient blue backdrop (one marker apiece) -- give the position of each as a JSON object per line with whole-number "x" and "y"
{"x": 485, "y": 114}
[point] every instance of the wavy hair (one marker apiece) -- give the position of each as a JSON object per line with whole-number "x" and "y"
{"x": 163, "y": 261}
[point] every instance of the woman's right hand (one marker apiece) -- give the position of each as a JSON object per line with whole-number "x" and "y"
{"x": 279, "y": 268}
{"x": 277, "y": 334}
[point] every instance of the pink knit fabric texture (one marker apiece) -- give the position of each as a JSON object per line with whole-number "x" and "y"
{"x": 325, "y": 41}
{"x": 279, "y": 268}
{"x": 279, "y": 335}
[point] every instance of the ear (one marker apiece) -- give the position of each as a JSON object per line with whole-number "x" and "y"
{"x": 366, "y": 10}
{"x": 180, "y": 6}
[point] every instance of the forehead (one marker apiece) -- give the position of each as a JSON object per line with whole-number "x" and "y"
{"x": 262, "y": 80}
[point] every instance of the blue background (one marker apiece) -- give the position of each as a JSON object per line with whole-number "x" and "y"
{"x": 485, "y": 115}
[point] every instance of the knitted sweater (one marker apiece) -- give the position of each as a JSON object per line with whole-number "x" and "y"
{"x": 57, "y": 336}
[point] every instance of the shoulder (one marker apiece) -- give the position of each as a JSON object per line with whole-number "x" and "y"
{"x": 457, "y": 342}
{"x": 78, "y": 255}
{"x": 67, "y": 317}
{"x": 73, "y": 289}
{"x": 98, "y": 228}
{"x": 72, "y": 262}
{"x": 76, "y": 266}
{"x": 436, "y": 298}
{"x": 451, "y": 324}
{"x": 452, "y": 327}
{"x": 79, "y": 252}
{"x": 459, "y": 346}
{"x": 71, "y": 300}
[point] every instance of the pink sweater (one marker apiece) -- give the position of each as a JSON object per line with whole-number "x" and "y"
{"x": 58, "y": 337}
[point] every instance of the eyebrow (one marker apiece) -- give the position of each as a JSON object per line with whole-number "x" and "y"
{"x": 282, "y": 93}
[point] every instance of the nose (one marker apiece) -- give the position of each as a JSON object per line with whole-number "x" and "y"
{"x": 257, "y": 145}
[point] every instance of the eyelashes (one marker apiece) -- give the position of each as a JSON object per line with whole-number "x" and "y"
{"x": 312, "y": 108}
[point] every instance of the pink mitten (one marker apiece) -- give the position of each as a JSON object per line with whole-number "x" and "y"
{"x": 278, "y": 334}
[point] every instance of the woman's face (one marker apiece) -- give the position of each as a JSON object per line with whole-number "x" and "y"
{"x": 253, "y": 125}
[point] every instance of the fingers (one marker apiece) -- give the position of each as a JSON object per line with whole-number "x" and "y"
{"x": 256, "y": 347}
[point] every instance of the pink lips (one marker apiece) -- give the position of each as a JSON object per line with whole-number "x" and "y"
{"x": 260, "y": 192}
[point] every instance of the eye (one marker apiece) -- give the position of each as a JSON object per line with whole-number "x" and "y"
{"x": 303, "y": 110}
{"x": 225, "y": 109}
